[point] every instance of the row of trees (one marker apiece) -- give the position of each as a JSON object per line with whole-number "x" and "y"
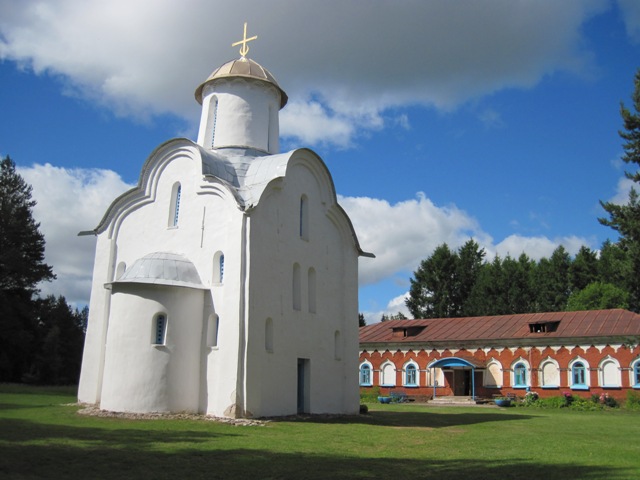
{"x": 41, "y": 340}
{"x": 461, "y": 283}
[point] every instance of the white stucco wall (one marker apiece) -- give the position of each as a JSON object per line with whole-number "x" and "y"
{"x": 241, "y": 113}
{"x": 140, "y": 376}
{"x": 276, "y": 245}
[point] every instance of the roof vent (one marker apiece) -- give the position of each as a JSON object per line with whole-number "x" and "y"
{"x": 543, "y": 327}
{"x": 403, "y": 332}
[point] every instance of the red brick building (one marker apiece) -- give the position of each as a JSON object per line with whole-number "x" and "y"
{"x": 586, "y": 353}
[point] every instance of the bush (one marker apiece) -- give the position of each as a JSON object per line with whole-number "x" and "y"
{"x": 370, "y": 395}
{"x": 552, "y": 402}
{"x": 633, "y": 401}
{"x": 364, "y": 409}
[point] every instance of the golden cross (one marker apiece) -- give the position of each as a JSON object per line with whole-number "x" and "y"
{"x": 245, "y": 48}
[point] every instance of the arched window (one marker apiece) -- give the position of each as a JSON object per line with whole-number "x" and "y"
{"x": 311, "y": 286}
{"x": 609, "y": 372}
{"x": 635, "y": 374}
{"x": 213, "y": 324}
{"x": 297, "y": 300}
{"x": 174, "y": 211}
{"x": 388, "y": 375}
{"x": 268, "y": 335}
{"x": 520, "y": 375}
{"x": 218, "y": 267}
{"x": 365, "y": 375}
{"x": 549, "y": 374}
{"x": 411, "y": 375}
{"x": 579, "y": 378}
{"x": 304, "y": 217}
{"x": 159, "y": 329}
{"x": 337, "y": 345}
{"x": 213, "y": 118}
{"x": 493, "y": 375}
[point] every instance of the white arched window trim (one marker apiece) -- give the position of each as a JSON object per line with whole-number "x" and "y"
{"x": 545, "y": 377}
{"x": 573, "y": 373}
{"x": 366, "y": 374}
{"x": 609, "y": 373}
{"x": 489, "y": 381}
{"x": 407, "y": 381}
{"x": 388, "y": 374}
{"x": 517, "y": 372}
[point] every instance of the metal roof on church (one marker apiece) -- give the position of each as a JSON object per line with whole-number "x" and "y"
{"x": 163, "y": 268}
{"x": 526, "y": 328}
{"x": 244, "y": 68}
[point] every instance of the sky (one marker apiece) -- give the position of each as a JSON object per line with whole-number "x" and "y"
{"x": 440, "y": 121}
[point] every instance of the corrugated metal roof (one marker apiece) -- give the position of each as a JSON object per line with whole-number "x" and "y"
{"x": 592, "y": 323}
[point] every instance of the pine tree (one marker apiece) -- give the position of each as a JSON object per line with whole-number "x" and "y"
{"x": 22, "y": 267}
{"x": 625, "y": 219}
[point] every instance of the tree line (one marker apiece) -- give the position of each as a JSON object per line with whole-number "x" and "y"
{"x": 41, "y": 339}
{"x": 462, "y": 283}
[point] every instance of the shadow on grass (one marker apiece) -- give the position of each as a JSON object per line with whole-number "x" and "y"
{"x": 12, "y": 430}
{"x": 101, "y": 462}
{"x": 425, "y": 419}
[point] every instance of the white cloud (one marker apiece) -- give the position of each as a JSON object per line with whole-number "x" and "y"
{"x": 631, "y": 16}
{"x": 622, "y": 191}
{"x": 70, "y": 201}
{"x": 344, "y": 62}
{"x": 538, "y": 247}
{"x": 401, "y": 235}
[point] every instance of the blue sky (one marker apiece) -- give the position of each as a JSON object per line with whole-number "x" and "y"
{"x": 440, "y": 121}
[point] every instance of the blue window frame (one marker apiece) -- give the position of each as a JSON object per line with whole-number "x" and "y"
{"x": 636, "y": 374}
{"x": 520, "y": 375}
{"x": 365, "y": 375}
{"x": 578, "y": 376}
{"x": 411, "y": 375}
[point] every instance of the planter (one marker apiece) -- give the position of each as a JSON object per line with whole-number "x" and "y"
{"x": 384, "y": 399}
{"x": 503, "y": 402}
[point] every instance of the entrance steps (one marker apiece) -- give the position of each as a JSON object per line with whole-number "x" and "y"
{"x": 452, "y": 400}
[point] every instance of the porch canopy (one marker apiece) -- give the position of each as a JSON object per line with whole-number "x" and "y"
{"x": 459, "y": 362}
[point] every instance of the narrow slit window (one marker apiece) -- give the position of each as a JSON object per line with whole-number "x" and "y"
{"x": 214, "y": 119}
{"x": 174, "y": 212}
{"x": 296, "y": 287}
{"x": 160, "y": 329}
{"x": 304, "y": 217}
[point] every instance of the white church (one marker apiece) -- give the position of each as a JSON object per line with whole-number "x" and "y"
{"x": 226, "y": 281}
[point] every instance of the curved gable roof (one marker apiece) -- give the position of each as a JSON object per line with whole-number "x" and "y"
{"x": 244, "y": 172}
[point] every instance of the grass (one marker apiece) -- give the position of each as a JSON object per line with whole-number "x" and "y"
{"x": 41, "y": 436}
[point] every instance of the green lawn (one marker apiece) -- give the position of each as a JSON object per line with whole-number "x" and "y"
{"x": 41, "y": 436}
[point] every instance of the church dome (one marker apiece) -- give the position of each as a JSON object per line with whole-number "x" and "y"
{"x": 163, "y": 268}
{"x": 244, "y": 68}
